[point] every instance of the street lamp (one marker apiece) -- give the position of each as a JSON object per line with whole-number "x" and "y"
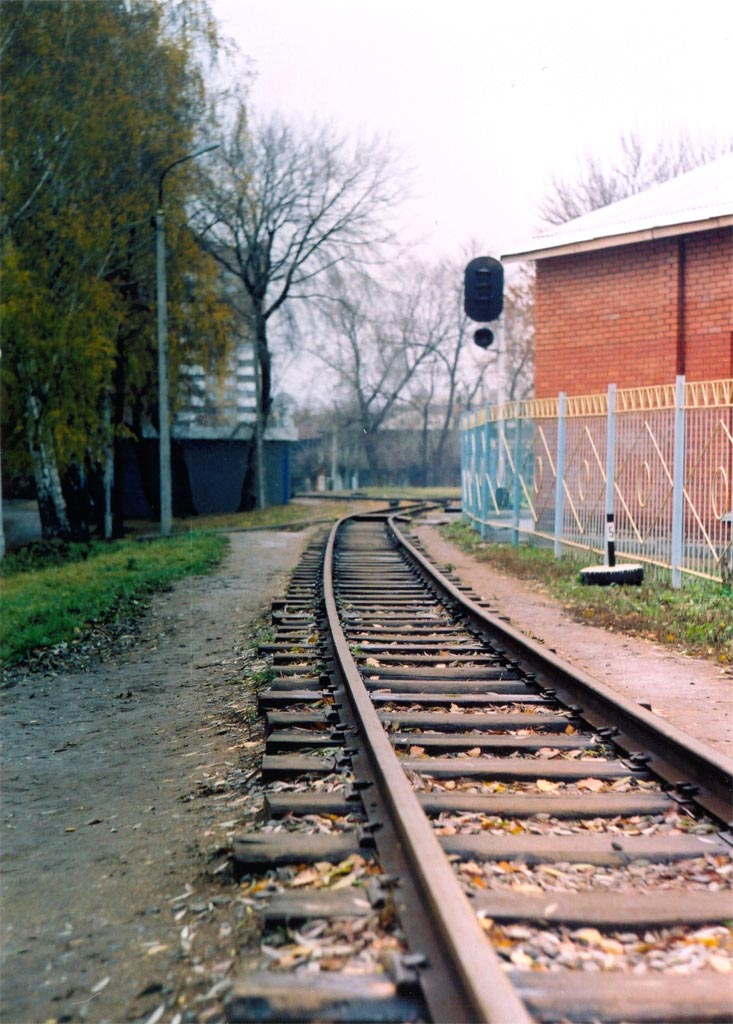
{"x": 164, "y": 429}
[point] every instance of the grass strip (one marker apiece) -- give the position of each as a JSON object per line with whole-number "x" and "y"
{"x": 377, "y": 493}
{"x": 278, "y": 515}
{"x": 61, "y": 592}
{"x": 697, "y": 618}
{"x": 275, "y": 517}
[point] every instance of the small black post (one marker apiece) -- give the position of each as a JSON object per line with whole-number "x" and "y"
{"x": 610, "y": 539}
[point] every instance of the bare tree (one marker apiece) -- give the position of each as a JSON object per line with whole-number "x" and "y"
{"x": 284, "y": 205}
{"x": 635, "y": 167}
{"x": 373, "y": 345}
{"x": 519, "y": 333}
{"x": 451, "y": 377}
{"x": 403, "y": 361}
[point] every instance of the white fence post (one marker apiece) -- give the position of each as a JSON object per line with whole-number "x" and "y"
{"x": 517, "y": 457}
{"x": 484, "y": 469}
{"x": 473, "y": 464}
{"x": 560, "y": 477}
{"x": 678, "y": 483}
{"x": 466, "y": 466}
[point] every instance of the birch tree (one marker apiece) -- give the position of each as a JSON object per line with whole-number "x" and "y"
{"x": 97, "y": 99}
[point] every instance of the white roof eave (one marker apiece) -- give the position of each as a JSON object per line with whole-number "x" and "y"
{"x": 595, "y": 242}
{"x": 700, "y": 200}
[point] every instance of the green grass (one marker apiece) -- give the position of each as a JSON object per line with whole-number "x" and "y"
{"x": 58, "y": 592}
{"x": 310, "y": 509}
{"x": 697, "y": 619}
{"x": 413, "y": 493}
{"x": 276, "y": 517}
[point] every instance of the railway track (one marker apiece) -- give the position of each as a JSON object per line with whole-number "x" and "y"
{"x": 459, "y": 827}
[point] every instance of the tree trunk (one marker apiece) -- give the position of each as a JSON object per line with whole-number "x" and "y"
{"x": 261, "y": 475}
{"x": 424, "y": 434}
{"x": 2, "y": 524}
{"x": 118, "y": 452}
{"x": 75, "y": 486}
{"x": 248, "y": 496}
{"x": 263, "y": 392}
{"x": 51, "y": 503}
{"x": 371, "y": 448}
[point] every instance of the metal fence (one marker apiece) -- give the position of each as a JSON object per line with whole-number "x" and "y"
{"x": 656, "y": 461}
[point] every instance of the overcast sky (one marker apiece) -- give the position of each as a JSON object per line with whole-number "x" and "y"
{"x": 488, "y": 99}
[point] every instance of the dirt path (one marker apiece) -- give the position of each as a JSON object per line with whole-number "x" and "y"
{"x": 118, "y": 791}
{"x": 694, "y": 694}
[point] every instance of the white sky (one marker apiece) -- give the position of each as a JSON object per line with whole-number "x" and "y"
{"x": 488, "y": 98}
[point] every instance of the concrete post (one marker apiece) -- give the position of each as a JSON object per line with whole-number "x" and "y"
{"x": 164, "y": 429}
{"x": 560, "y": 473}
{"x": 678, "y": 483}
{"x": 516, "y": 489}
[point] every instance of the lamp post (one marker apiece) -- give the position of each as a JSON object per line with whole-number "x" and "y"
{"x": 164, "y": 429}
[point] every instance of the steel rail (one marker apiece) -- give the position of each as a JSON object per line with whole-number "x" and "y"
{"x": 485, "y": 992}
{"x": 703, "y": 774}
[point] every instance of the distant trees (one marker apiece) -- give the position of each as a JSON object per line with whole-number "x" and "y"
{"x": 637, "y": 165}
{"x": 400, "y": 356}
{"x": 519, "y": 333}
{"x": 97, "y": 99}
{"x": 374, "y": 343}
{"x": 284, "y": 205}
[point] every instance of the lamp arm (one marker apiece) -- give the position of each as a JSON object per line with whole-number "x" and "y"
{"x": 182, "y": 160}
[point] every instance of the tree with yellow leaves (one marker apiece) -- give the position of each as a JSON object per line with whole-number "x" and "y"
{"x": 98, "y": 99}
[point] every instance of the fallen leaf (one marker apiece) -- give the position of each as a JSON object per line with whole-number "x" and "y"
{"x": 612, "y": 946}
{"x": 720, "y": 964}
{"x": 345, "y": 882}
{"x": 520, "y": 959}
{"x": 306, "y": 877}
{"x": 594, "y": 785}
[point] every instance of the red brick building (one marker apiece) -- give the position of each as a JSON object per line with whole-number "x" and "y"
{"x": 639, "y": 291}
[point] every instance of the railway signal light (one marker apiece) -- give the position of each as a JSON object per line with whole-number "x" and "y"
{"x": 483, "y": 337}
{"x": 484, "y": 289}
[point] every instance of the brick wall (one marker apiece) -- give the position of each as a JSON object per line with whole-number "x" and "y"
{"x": 612, "y": 316}
{"x": 709, "y": 305}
